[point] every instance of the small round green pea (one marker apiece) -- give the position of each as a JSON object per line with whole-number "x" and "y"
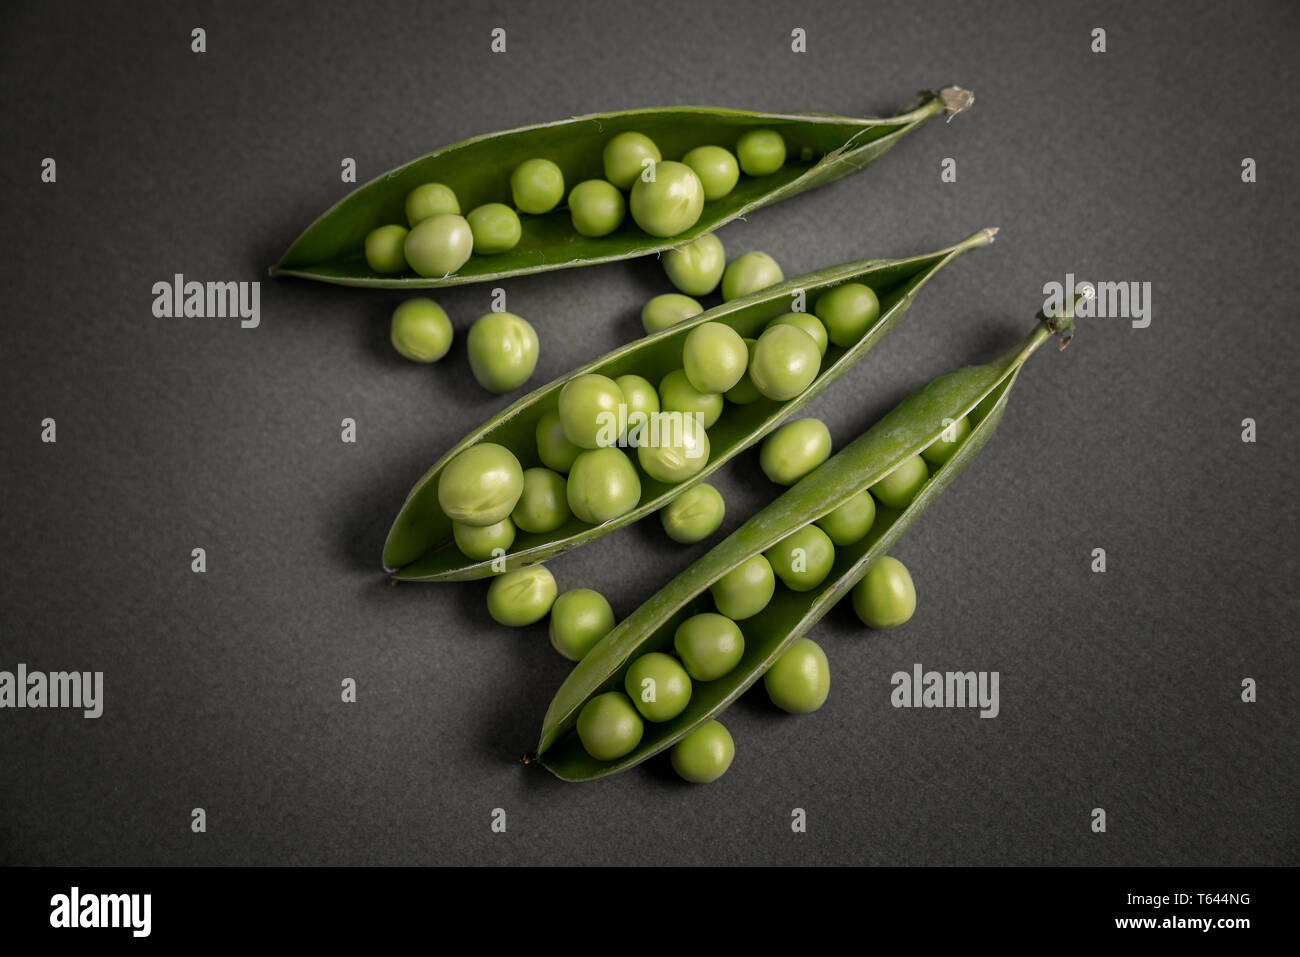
{"x": 480, "y": 542}
{"x": 748, "y": 274}
{"x": 609, "y": 726}
{"x": 808, "y": 323}
{"x": 667, "y": 310}
{"x": 794, "y": 450}
{"x": 847, "y": 311}
{"x": 696, "y": 267}
{"x": 899, "y": 487}
{"x": 745, "y": 590}
{"x": 717, "y": 169}
{"x": 850, "y": 521}
{"x": 596, "y": 207}
{"x": 537, "y": 186}
{"x": 705, "y": 754}
{"x": 714, "y": 357}
{"x": 638, "y": 395}
{"x": 420, "y": 330}
{"x": 384, "y": 249}
{"x": 603, "y": 485}
{"x": 886, "y": 596}
{"x": 785, "y": 363}
{"x": 949, "y": 441}
{"x": 542, "y": 505}
{"x": 625, "y": 155}
{"x": 761, "y": 152}
{"x": 658, "y": 686}
{"x": 495, "y": 227}
{"x": 589, "y": 408}
{"x": 694, "y": 515}
{"x": 670, "y": 203}
{"x": 579, "y": 618}
{"x": 676, "y": 394}
{"x": 800, "y": 680}
{"x": 431, "y": 199}
{"x": 439, "y": 245}
{"x": 502, "y": 351}
{"x": 679, "y": 454}
{"x": 481, "y": 485}
{"x": 555, "y": 451}
{"x": 709, "y": 645}
{"x": 521, "y": 597}
{"x": 744, "y": 392}
{"x": 802, "y": 559}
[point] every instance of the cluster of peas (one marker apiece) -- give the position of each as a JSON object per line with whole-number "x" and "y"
{"x": 666, "y": 198}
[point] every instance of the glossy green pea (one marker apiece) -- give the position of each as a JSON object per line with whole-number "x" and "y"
{"x": 950, "y": 439}
{"x": 678, "y": 455}
{"x": 521, "y": 597}
{"x": 667, "y": 310}
{"x": 609, "y": 726}
{"x": 676, "y": 394}
{"x": 537, "y": 186}
{"x": 709, "y": 645}
{"x": 761, "y": 152}
{"x": 705, "y": 754}
{"x": 670, "y": 203}
{"x": 502, "y": 351}
{"x": 420, "y": 330}
{"x": 749, "y": 274}
{"x": 603, "y": 485}
{"x": 745, "y": 590}
{"x": 744, "y": 392}
{"x": 625, "y": 157}
{"x": 786, "y": 362}
{"x": 714, "y": 357}
{"x": 849, "y": 522}
{"x": 439, "y": 245}
{"x": 480, "y": 542}
{"x": 589, "y": 408}
{"x": 579, "y": 618}
{"x": 638, "y": 394}
{"x": 794, "y": 450}
{"x": 542, "y": 505}
{"x": 694, "y": 515}
{"x": 384, "y": 249}
{"x": 481, "y": 485}
{"x": 431, "y": 199}
{"x": 899, "y": 487}
{"x": 808, "y": 323}
{"x": 717, "y": 169}
{"x": 847, "y": 312}
{"x": 802, "y": 559}
{"x": 596, "y": 207}
{"x": 800, "y": 680}
{"x": 886, "y": 596}
{"x": 495, "y": 227}
{"x": 555, "y": 451}
{"x": 696, "y": 267}
{"x": 659, "y": 687}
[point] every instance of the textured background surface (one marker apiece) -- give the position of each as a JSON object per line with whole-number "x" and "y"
{"x": 222, "y": 690}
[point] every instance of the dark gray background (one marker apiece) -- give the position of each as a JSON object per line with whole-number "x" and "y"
{"x": 1119, "y": 690}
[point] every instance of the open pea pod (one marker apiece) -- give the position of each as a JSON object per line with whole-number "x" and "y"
{"x": 978, "y": 392}
{"x": 420, "y": 544}
{"x": 820, "y": 148}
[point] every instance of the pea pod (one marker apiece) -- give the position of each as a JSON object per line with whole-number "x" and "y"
{"x": 822, "y": 148}
{"x": 420, "y": 545}
{"x": 979, "y": 392}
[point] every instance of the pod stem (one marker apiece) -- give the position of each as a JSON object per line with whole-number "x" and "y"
{"x": 1062, "y": 326}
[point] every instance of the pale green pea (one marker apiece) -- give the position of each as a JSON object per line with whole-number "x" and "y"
{"x": 745, "y": 590}
{"x": 717, "y": 169}
{"x": 709, "y": 645}
{"x": 667, "y": 310}
{"x": 596, "y": 207}
{"x": 802, "y": 559}
{"x": 542, "y": 506}
{"x": 495, "y": 227}
{"x": 481, "y": 485}
{"x": 384, "y": 249}
{"x": 849, "y": 522}
{"x": 886, "y": 595}
{"x": 555, "y": 451}
{"x": 705, "y": 754}
{"x": 794, "y": 450}
{"x": 808, "y": 323}
{"x": 439, "y": 245}
{"x": 749, "y": 274}
{"x": 609, "y": 726}
{"x": 696, "y": 267}
{"x": 480, "y": 542}
{"x": 668, "y": 204}
{"x": 694, "y": 515}
{"x": 431, "y": 199}
{"x": 714, "y": 357}
{"x": 521, "y": 597}
{"x": 537, "y": 186}
{"x": 603, "y": 485}
{"x": 847, "y": 312}
{"x": 502, "y": 350}
{"x": 624, "y": 157}
{"x": 676, "y": 394}
{"x": 420, "y": 330}
{"x": 899, "y": 487}
{"x": 659, "y": 687}
{"x": 579, "y": 619}
{"x": 800, "y": 681}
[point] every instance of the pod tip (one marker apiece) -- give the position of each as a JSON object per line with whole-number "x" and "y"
{"x": 955, "y": 100}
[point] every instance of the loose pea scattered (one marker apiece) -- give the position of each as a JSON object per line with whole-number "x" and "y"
{"x": 794, "y": 450}
{"x": 579, "y": 618}
{"x": 609, "y": 726}
{"x": 589, "y": 408}
{"x": 542, "y": 505}
{"x": 717, "y": 169}
{"x": 800, "y": 680}
{"x": 709, "y": 645}
{"x": 808, "y": 323}
{"x": 537, "y": 186}
{"x": 384, "y": 249}
{"x": 714, "y": 357}
{"x": 694, "y": 515}
{"x": 676, "y": 394}
{"x": 696, "y": 267}
{"x": 847, "y": 312}
{"x": 481, "y": 485}
{"x": 786, "y": 361}
{"x": 502, "y": 349}
{"x": 603, "y": 485}
{"x": 849, "y": 522}
{"x": 899, "y": 487}
{"x": 625, "y": 155}
{"x": 439, "y": 245}
{"x": 705, "y": 754}
{"x": 669, "y": 203}
{"x": 886, "y": 596}
{"x": 659, "y": 687}
{"x": 761, "y": 152}
{"x": 495, "y": 227}
{"x": 745, "y": 590}
{"x": 431, "y": 199}
{"x": 950, "y": 439}
{"x": 667, "y": 310}
{"x": 481, "y": 542}
{"x": 802, "y": 559}
{"x": 521, "y": 597}
{"x": 596, "y": 207}
{"x": 748, "y": 274}
{"x": 420, "y": 330}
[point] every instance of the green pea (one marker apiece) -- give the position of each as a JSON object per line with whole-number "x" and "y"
{"x": 596, "y": 207}
{"x": 625, "y": 155}
{"x": 670, "y": 203}
{"x": 420, "y": 330}
{"x": 555, "y": 451}
{"x": 609, "y": 726}
{"x": 638, "y": 394}
{"x": 481, "y": 485}
{"x": 709, "y": 645}
{"x": 949, "y": 441}
{"x": 761, "y": 152}
{"x": 808, "y": 323}
{"x": 521, "y": 597}
{"x": 745, "y": 590}
{"x": 696, "y": 267}
{"x": 794, "y": 450}
{"x": 748, "y": 274}
{"x": 589, "y": 408}
{"x": 801, "y": 678}
{"x": 850, "y": 521}
{"x": 658, "y": 686}
{"x": 744, "y": 392}
{"x": 785, "y": 363}
{"x": 679, "y": 454}
{"x": 384, "y": 249}
{"x": 885, "y": 597}
{"x": 716, "y": 167}
{"x": 502, "y": 351}
{"x": 704, "y": 755}
{"x": 495, "y": 227}
{"x": 714, "y": 357}
{"x": 676, "y": 394}
{"x": 848, "y": 311}
{"x": 480, "y": 542}
{"x": 537, "y": 186}
{"x": 439, "y": 245}
{"x": 694, "y": 515}
{"x": 542, "y": 505}
{"x": 579, "y": 618}
{"x": 899, "y": 487}
{"x": 802, "y": 559}
{"x": 667, "y": 310}
{"x": 431, "y": 199}
{"x": 603, "y": 485}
